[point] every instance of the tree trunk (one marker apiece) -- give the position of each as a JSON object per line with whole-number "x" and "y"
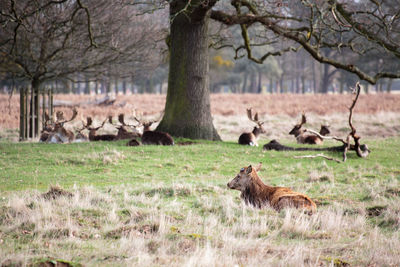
{"x": 87, "y": 86}
{"x": 96, "y": 87}
{"x": 314, "y": 76}
{"x": 34, "y": 109}
{"x": 389, "y": 86}
{"x": 325, "y": 79}
{"x": 124, "y": 86}
{"x": 244, "y": 86}
{"x": 259, "y": 86}
{"x": 187, "y": 109}
{"x": 303, "y": 84}
{"x": 116, "y": 89}
{"x": 253, "y": 83}
{"x": 366, "y": 88}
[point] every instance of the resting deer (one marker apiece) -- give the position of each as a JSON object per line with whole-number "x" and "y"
{"x": 255, "y": 192}
{"x": 154, "y": 137}
{"x": 48, "y": 128}
{"x": 251, "y": 138}
{"x": 81, "y": 137}
{"x": 123, "y": 132}
{"x": 92, "y": 131}
{"x": 303, "y": 138}
{"x": 65, "y": 135}
{"x": 54, "y": 132}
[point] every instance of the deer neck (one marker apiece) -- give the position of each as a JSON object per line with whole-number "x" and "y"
{"x": 257, "y": 193}
{"x": 300, "y": 136}
{"x": 256, "y": 132}
{"x": 92, "y": 134}
{"x": 146, "y": 128}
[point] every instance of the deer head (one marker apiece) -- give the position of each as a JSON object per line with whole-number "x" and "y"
{"x": 48, "y": 124}
{"x": 123, "y": 128}
{"x": 146, "y": 124}
{"x": 60, "y": 121}
{"x": 324, "y": 130}
{"x": 244, "y": 178}
{"x": 296, "y": 131}
{"x": 88, "y": 125}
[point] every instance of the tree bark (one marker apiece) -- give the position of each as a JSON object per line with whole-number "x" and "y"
{"x": 187, "y": 109}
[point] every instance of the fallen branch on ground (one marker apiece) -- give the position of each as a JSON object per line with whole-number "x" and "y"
{"x": 318, "y": 155}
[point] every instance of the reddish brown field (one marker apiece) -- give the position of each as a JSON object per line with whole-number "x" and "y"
{"x": 221, "y": 104}
{"x": 230, "y": 109}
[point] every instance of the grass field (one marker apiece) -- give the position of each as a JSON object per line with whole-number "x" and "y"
{"x": 156, "y": 206}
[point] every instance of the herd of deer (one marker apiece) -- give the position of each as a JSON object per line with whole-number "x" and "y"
{"x": 300, "y": 134}
{"x": 55, "y": 132}
{"x": 253, "y": 190}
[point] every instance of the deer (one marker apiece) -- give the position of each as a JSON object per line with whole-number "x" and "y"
{"x": 92, "y": 131}
{"x": 254, "y": 192}
{"x": 123, "y": 132}
{"x": 81, "y": 137}
{"x": 303, "y": 138}
{"x": 251, "y": 138}
{"x": 48, "y": 128}
{"x": 66, "y": 136}
{"x": 54, "y": 132}
{"x": 154, "y": 137}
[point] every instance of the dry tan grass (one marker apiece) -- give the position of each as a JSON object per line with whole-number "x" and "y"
{"x": 155, "y": 226}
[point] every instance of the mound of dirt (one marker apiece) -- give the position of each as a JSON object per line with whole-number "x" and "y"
{"x": 56, "y": 192}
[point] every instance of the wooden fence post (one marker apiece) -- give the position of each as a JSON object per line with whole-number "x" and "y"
{"x": 22, "y": 114}
{"x": 37, "y": 112}
{"x": 31, "y": 115}
{"x": 43, "y": 106}
{"x": 25, "y": 90}
{"x": 50, "y": 99}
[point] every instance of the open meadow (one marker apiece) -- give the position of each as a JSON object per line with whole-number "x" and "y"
{"x": 113, "y": 205}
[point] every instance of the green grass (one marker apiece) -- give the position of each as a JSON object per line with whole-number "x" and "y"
{"x": 156, "y": 205}
{"x": 101, "y": 164}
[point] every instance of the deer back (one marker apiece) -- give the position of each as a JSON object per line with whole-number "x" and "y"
{"x": 248, "y": 139}
{"x": 123, "y": 133}
{"x": 157, "y": 138}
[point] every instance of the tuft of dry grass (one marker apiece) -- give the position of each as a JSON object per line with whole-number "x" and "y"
{"x": 191, "y": 225}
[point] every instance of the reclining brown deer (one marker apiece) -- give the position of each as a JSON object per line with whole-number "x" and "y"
{"x": 123, "y": 132}
{"x": 92, "y": 131}
{"x": 251, "y": 138}
{"x": 256, "y": 193}
{"x": 48, "y": 128}
{"x": 154, "y": 137}
{"x": 80, "y": 136}
{"x": 303, "y": 138}
{"x": 65, "y": 135}
{"x": 55, "y": 132}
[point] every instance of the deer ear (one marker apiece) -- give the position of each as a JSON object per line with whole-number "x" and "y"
{"x": 258, "y": 168}
{"x": 249, "y": 169}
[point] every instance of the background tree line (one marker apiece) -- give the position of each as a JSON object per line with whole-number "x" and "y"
{"x": 126, "y": 52}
